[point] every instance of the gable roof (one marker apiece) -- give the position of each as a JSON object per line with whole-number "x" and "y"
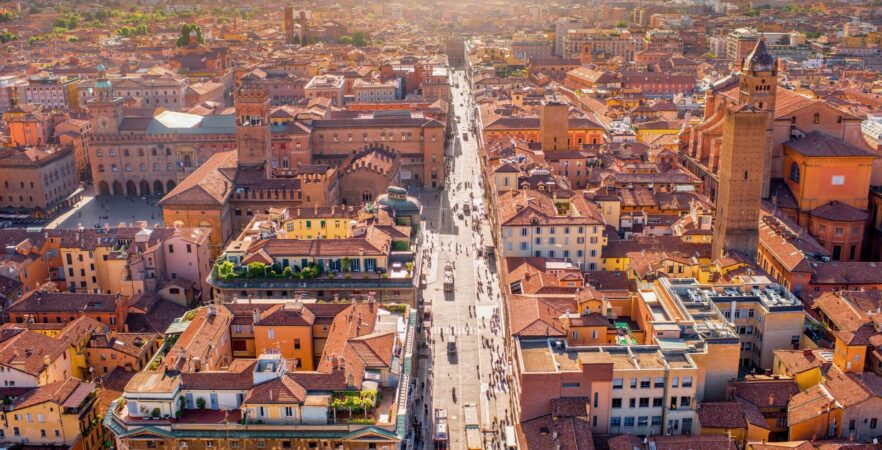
{"x": 208, "y": 184}
{"x": 819, "y": 144}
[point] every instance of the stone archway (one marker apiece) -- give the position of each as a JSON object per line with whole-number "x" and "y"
{"x": 103, "y": 188}
{"x": 157, "y": 187}
{"x": 170, "y": 186}
{"x": 145, "y": 187}
{"x": 117, "y": 188}
{"x": 131, "y": 188}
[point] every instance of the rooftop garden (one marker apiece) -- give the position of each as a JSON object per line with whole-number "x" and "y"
{"x": 226, "y": 270}
{"x": 355, "y": 403}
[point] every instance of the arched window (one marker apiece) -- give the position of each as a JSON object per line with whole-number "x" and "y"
{"x": 794, "y": 172}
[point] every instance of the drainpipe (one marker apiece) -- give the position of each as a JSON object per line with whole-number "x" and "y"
{"x": 664, "y": 398}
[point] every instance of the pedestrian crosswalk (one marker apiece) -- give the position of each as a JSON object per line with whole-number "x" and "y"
{"x": 463, "y": 331}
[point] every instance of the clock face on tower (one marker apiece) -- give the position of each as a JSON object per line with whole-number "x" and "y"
{"x": 104, "y": 123}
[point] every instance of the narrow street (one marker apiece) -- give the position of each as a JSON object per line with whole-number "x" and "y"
{"x": 476, "y": 372}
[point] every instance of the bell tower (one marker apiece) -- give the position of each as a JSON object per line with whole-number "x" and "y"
{"x": 105, "y": 109}
{"x": 253, "y": 138}
{"x": 758, "y": 86}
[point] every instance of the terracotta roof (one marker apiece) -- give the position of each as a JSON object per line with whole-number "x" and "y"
{"x": 672, "y": 245}
{"x": 236, "y": 378}
{"x": 866, "y": 301}
{"x": 277, "y": 391}
{"x": 27, "y": 350}
{"x": 846, "y": 389}
{"x": 532, "y": 207}
{"x": 820, "y": 144}
{"x": 569, "y": 407}
{"x": 152, "y": 314}
{"x": 753, "y": 414}
{"x": 197, "y": 341}
{"x": 839, "y": 212}
{"x": 571, "y": 433}
{"x": 39, "y": 301}
{"x": 789, "y": 244}
{"x": 208, "y": 184}
{"x": 839, "y": 272}
{"x": 376, "y": 350}
{"x": 840, "y": 312}
{"x": 79, "y": 329}
{"x": 799, "y": 361}
{"x": 532, "y": 316}
{"x": 357, "y": 320}
{"x": 765, "y": 393}
{"x": 787, "y": 102}
{"x": 286, "y": 314}
{"x": 721, "y": 415}
{"x": 69, "y": 393}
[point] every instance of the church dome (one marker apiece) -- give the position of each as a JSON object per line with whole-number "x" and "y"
{"x": 396, "y": 199}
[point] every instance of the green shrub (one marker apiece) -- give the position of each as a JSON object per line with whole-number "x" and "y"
{"x": 257, "y": 270}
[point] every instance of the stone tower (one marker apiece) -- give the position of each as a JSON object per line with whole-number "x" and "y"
{"x": 253, "y": 138}
{"x": 105, "y": 109}
{"x": 289, "y": 23}
{"x": 554, "y": 124}
{"x": 304, "y": 27}
{"x": 736, "y": 226}
{"x": 758, "y": 85}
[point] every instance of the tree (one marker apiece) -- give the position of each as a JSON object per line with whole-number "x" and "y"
{"x": 622, "y": 24}
{"x": 6, "y": 36}
{"x": 360, "y": 39}
{"x": 184, "y": 39}
{"x": 346, "y": 40}
{"x": 5, "y": 16}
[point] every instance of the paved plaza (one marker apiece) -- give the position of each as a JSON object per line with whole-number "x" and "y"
{"x": 103, "y": 210}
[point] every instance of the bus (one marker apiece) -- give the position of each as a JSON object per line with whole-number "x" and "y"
{"x": 472, "y": 429}
{"x": 441, "y": 437}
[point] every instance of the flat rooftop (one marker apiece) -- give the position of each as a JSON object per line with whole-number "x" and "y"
{"x": 553, "y": 355}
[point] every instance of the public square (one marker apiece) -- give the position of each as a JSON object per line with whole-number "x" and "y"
{"x": 97, "y": 211}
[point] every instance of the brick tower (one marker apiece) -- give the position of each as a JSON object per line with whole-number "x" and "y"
{"x": 554, "y": 124}
{"x": 289, "y": 23}
{"x": 253, "y": 138}
{"x": 736, "y": 226}
{"x": 758, "y": 85}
